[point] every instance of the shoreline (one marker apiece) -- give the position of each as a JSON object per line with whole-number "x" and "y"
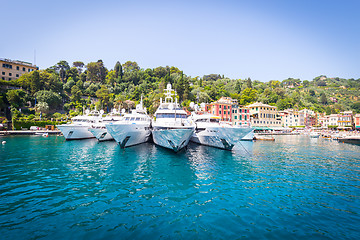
{"x": 29, "y": 132}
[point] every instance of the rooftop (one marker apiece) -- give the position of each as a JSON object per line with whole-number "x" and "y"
{"x": 17, "y": 62}
{"x": 259, "y": 104}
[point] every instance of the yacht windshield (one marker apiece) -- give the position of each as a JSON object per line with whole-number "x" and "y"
{"x": 170, "y": 115}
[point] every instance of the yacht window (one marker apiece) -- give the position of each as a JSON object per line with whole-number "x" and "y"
{"x": 201, "y": 120}
{"x": 137, "y": 119}
{"x": 214, "y": 120}
{"x": 127, "y": 119}
{"x": 132, "y": 119}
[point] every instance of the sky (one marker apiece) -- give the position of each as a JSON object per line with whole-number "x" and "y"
{"x": 261, "y": 39}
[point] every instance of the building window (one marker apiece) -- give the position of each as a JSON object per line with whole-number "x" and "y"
{"x": 24, "y": 69}
{"x": 3, "y": 73}
{"x": 17, "y": 68}
{"x": 3, "y": 78}
{"x": 240, "y": 118}
{"x": 10, "y": 74}
{"x": 5, "y": 65}
{"x": 9, "y": 79}
{"x": 17, "y": 75}
{"x": 235, "y": 117}
{"x": 245, "y": 117}
{"x": 29, "y": 70}
{"x": 219, "y": 112}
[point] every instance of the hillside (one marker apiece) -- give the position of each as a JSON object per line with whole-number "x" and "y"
{"x": 62, "y": 89}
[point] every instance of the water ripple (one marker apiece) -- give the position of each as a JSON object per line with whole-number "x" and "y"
{"x": 295, "y": 187}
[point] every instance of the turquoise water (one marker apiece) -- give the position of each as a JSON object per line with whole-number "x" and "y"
{"x": 293, "y": 188}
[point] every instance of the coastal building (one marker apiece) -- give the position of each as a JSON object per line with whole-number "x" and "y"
{"x": 264, "y": 115}
{"x": 309, "y": 116}
{"x": 240, "y": 116}
{"x": 223, "y": 108}
{"x": 357, "y": 121}
{"x": 330, "y": 120}
{"x": 345, "y": 120}
{"x": 291, "y": 118}
{"x": 13, "y": 69}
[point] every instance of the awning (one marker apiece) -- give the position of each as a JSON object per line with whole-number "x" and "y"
{"x": 282, "y": 129}
{"x": 262, "y": 128}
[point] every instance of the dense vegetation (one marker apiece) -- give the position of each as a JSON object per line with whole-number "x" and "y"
{"x": 62, "y": 90}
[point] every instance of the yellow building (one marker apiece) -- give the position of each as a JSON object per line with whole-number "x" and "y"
{"x": 13, "y": 69}
{"x": 263, "y": 115}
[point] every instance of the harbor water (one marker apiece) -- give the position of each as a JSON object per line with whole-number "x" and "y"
{"x": 294, "y": 187}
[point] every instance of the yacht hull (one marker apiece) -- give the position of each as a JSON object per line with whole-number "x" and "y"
{"x": 127, "y": 135}
{"x": 215, "y": 137}
{"x": 101, "y": 134}
{"x": 248, "y": 137}
{"x": 240, "y": 132}
{"x": 72, "y": 132}
{"x": 172, "y": 138}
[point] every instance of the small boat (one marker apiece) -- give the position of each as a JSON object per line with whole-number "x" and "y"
{"x": 314, "y": 135}
{"x": 263, "y": 138}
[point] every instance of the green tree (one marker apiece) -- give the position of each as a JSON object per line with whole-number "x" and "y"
{"x": 238, "y": 86}
{"x": 35, "y": 84}
{"x": 104, "y": 95}
{"x": 73, "y": 73}
{"x": 323, "y": 98}
{"x": 96, "y": 71}
{"x": 130, "y": 67}
{"x": 75, "y": 94}
{"x": 79, "y": 66}
{"x": 248, "y": 95}
{"x": 68, "y": 85}
{"x": 42, "y": 107}
{"x": 52, "y": 99}
{"x": 16, "y": 97}
{"x": 118, "y": 70}
{"x": 248, "y": 83}
{"x": 356, "y": 106}
{"x": 306, "y": 83}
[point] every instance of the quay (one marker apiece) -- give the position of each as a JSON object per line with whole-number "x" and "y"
{"x": 29, "y": 132}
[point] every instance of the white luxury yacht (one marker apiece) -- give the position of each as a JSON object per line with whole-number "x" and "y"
{"x": 99, "y": 130}
{"x": 211, "y": 132}
{"x": 171, "y": 127}
{"x": 78, "y": 129}
{"x": 132, "y": 129}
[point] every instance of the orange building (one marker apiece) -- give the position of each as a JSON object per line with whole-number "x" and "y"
{"x": 357, "y": 121}
{"x": 222, "y": 108}
{"x": 13, "y": 69}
